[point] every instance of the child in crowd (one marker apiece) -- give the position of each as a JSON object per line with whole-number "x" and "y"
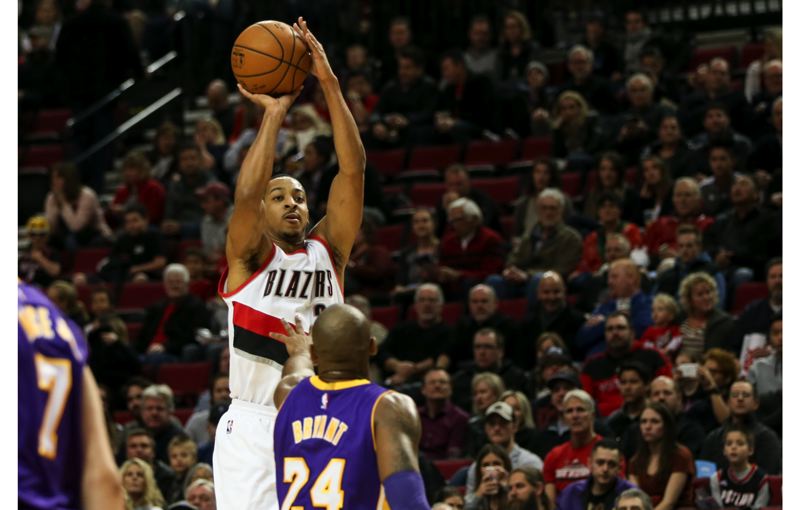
{"x": 665, "y": 333}
{"x": 182, "y": 457}
{"x": 743, "y": 485}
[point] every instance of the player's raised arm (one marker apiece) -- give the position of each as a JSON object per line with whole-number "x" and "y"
{"x": 346, "y": 197}
{"x": 101, "y": 487}
{"x": 397, "y": 433}
{"x": 299, "y": 365}
{"x": 245, "y": 237}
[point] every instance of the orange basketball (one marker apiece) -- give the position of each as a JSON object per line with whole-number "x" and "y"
{"x": 269, "y": 58}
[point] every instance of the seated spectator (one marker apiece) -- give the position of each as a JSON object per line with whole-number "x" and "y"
{"x": 488, "y": 347}
{"x": 470, "y": 252}
{"x": 200, "y": 276}
{"x": 743, "y": 402}
{"x": 766, "y": 160}
{"x": 184, "y": 213}
{"x": 419, "y": 258}
{"x": 527, "y": 113}
{"x": 705, "y": 387}
{"x": 637, "y": 38}
{"x": 662, "y": 467}
{"x": 370, "y": 270}
{"x": 211, "y": 141}
{"x": 73, "y": 210}
{"x": 687, "y": 432}
{"x": 414, "y": 346}
{"x": 666, "y": 82}
{"x": 550, "y": 246}
{"x": 743, "y": 484}
{"x": 137, "y": 253}
{"x": 480, "y": 57}
{"x": 611, "y": 179}
{"x": 215, "y": 198}
{"x": 65, "y": 297}
{"x": 222, "y": 111}
{"x": 376, "y": 329}
{"x": 132, "y": 395}
{"x": 494, "y": 464}
{"x": 715, "y": 89}
{"x": 637, "y": 126}
{"x": 745, "y": 237}
{"x": 665, "y": 333}
{"x": 599, "y": 376}
{"x": 717, "y": 129}
{"x": 767, "y": 375}
{"x": 551, "y": 358}
{"x": 569, "y": 462}
{"x": 486, "y": 390}
{"x": 200, "y": 493}
{"x": 517, "y": 48}
{"x": 716, "y": 190}
{"x": 361, "y": 99}
{"x": 139, "y": 444}
{"x": 551, "y": 313}
{"x": 451, "y": 497}
{"x": 592, "y": 288}
{"x": 197, "y": 424}
{"x": 400, "y": 37}
{"x": 604, "y": 483}
{"x": 168, "y": 331}
{"x": 633, "y": 379}
{"x": 609, "y": 218}
{"x": 405, "y": 103}
{"x": 762, "y": 102}
{"x": 523, "y": 417}
{"x": 690, "y": 259}
{"x": 773, "y": 49}
{"x": 526, "y": 489}
{"x": 606, "y": 61}
{"x": 625, "y": 294}
{"x": 575, "y": 130}
{"x": 39, "y": 262}
{"x": 655, "y": 196}
{"x": 671, "y": 147}
{"x": 444, "y": 425}
{"x": 499, "y": 427}
{"x": 660, "y": 236}
{"x": 157, "y": 409}
{"x": 459, "y": 185}
{"x": 594, "y": 88}
{"x": 138, "y": 187}
{"x": 111, "y": 357}
{"x": 317, "y": 158}
{"x": 544, "y": 174}
{"x": 633, "y": 499}
{"x": 481, "y": 313}
{"x": 140, "y": 486}
{"x": 205, "y": 451}
{"x": 200, "y": 471}
{"x": 182, "y": 456}
{"x": 703, "y": 325}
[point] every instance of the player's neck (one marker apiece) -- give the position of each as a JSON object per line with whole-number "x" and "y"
{"x": 289, "y": 246}
{"x": 342, "y": 374}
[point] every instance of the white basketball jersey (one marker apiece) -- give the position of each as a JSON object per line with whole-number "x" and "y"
{"x": 303, "y": 282}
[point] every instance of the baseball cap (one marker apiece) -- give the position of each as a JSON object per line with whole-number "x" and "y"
{"x": 501, "y": 409}
{"x": 38, "y": 225}
{"x": 214, "y": 189}
{"x": 566, "y": 376}
{"x": 216, "y": 412}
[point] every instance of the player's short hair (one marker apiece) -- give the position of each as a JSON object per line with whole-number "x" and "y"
{"x": 161, "y": 392}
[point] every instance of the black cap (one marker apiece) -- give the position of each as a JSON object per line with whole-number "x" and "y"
{"x": 182, "y": 505}
{"x": 568, "y": 376}
{"x": 216, "y": 412}
{"x": 637, "y": 366}
{"x": 554, "y": 356}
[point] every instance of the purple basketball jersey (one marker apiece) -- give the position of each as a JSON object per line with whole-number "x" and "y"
{"x": 52, "y": 354}
{"x": 324, "y": 448}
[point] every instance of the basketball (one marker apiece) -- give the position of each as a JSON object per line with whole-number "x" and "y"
{"x": 269, "y": 58}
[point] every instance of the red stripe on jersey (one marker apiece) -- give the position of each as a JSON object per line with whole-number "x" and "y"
{"x": 327, "y": 246}
{"x": 255, "y": 321}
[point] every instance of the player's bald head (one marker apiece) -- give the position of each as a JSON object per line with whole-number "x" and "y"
{"x": 341, "y": 333}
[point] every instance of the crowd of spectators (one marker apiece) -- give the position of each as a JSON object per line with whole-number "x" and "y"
{"x": 626, "y": 362}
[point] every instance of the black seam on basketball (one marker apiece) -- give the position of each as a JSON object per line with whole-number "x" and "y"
{"x": 274, "y": 37}
{"x": 291, "y": 55}
{"x": 266, "y": 55}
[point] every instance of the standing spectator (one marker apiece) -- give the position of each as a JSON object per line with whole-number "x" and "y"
{"x": 197, "y": 424}
{"x": 184, "y": 212}
{"x": 625, "y": 295}
{"x": 767, "y": 375}
{"x": 550, "y": 246}
{"x": 526, "y": 489}
{"x": 39, "y": 262}
{"x": 138, "y": 187}
{"x": 470, "y": 252}
{"x": 744, "y": 402}
{"x": 655, "y": 196}
{"x": 516, "y": 49}
{"x": 742, "y": 485}
{"x": 480, "y": 56}
{"x": 141, "y": 490}
{"x": 704, "y": 326}
{"x": 488, "y": 347}
{"x": 168, "y": 331}
{"x": 716, "y": 190}
{"x": 139, "y": 444}
{"x": 444, "y": 425}
{"x": 593, "y": 88}
{"x": 690, "y": 259}
{"x": 611, "y": 179}
{"x": 633, "y": 378}
{"x": 458, "y": 184}
{"x": 773, "y": 49}
{"x": 418, "y": 260}
{"x": 413, "y": 347}
{"x": 370, "y": 270}
{"x": 600, "y": 372}
{"x": 662, "y": 467}
{"x": 481, "y": 313}
{"x": 157, "y": 408}
{"x": 603, "y": 485}
{"x": 609, "y": 218}
{"x": 73, "y": 210}
{"x": 670, "y": 146}
{"x": 137, "y": 254}
{"x": 544, "y": 174}
{"x": 687, "y": 431}
{"x": 217, "y": 96}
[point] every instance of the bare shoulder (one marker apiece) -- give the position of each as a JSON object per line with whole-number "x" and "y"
{"x": 397, "y": 411}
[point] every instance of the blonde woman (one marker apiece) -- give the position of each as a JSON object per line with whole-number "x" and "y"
{"x": 141, "y": 490}
{"x": 574, "y": 128}
{"x": 705, "y": 326}
{"x": 210, "y": 138}
{"x": 486, "y": 390}
{"x": 523, "y": 418}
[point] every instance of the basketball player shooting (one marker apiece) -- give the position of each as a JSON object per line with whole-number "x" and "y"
{"x": 276, "y": 272}
{"x": 340, "y": 440}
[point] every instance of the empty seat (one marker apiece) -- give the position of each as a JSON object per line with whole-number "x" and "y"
{"x": 391, "y": 236}
{"x": 386, "y": 315}
{"x": 187, "y": 380}
{"x": 496, "y": 153}
{"x": 749, "y": 53}
{"x": 436, "y": 157}
{"x": 427, "y": 194}
{"x": 746, "y": 293}
{"x": 389, "y": 162}
{"x": 571, "y": 184}
{"x": 134, "y": 328}
{"x": 32, "y": 190}
{"x": 86, "y": 259}
{"x": 141, "y": 295}
{"x": 536, "y": 147}
{"x": 704, "y": 55}
{"x": 514, "y": 308}
{"x": 42, "y": 155}
{"x": 503, "y": 190}
{"x": 632, "y": 175}
{"x": 50, "y": 124}
{"x": 123, "y": 417}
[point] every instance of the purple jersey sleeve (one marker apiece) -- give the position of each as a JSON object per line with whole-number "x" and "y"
{"x": 51, "y": 356}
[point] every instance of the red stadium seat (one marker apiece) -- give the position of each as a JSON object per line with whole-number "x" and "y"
{"x": 495, "y": 153}
{"x": 448, "y": 467}
{"x": 536, "y": 147}
{"x": 503, "y": 190}
{"x": 50, "y": 123}
{"x": 747, "y": 292}
{"x": 451, "y": 312}
{"x": 571, "y": 184}
{"x": 134, "y": 328}
{"x": 187, "y": 244}
{"x": 386, "y": 315}
{"x": 704, "y": 56}
{"x": 507, "y": 222}
{"x": 42, "y": 155}
{"x": 387, "y": 163}
{"x": 123, "y": 417}
{"x": 86, "y": 259}
{"x": 750, "y": 52}
{"x": 141, "y": 295}
{"x": 183, "y": 414}
{"x": 514, "y": 308}
{"x": 427, "y": 193}
{"x": 437, "y": 157}
{"x": 632, "y": 176}
{"x": 775, "y": 490}
{"x": 391, "y": 236}
{"x": 187, "y": 380}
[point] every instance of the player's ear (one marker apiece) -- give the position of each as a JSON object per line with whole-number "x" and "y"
{"x": 373, "y": 346}
{"x": 314, "y": 357}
